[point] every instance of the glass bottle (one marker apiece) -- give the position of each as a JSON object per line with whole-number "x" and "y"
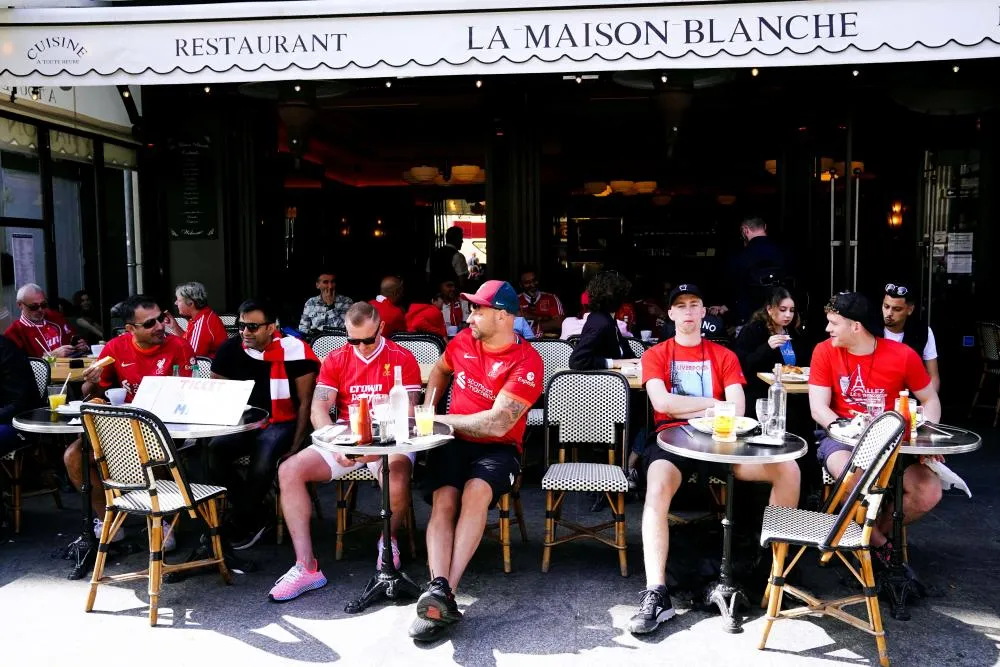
{"x": 399, "y": 407}
{"x": 777, "y": 395}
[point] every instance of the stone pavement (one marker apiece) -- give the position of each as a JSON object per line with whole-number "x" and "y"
{"x": 575, "y": 614}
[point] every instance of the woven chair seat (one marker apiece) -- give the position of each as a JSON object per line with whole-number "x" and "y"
{"x": 243, "y": 461}
{"x": 169, "y": 496}
{"x": 585, "y": 477}
{"x": 536, "y": 417}
{"x": 9, "y": 456}
{"x": 787, "y": 524}
{"x": 828, "y": 479}
{"x": 362, "y": 474}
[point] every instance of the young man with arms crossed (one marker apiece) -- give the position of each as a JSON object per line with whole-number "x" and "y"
{"x": 497, "y": 378}
{"x": 856, "y": 366}
{"x": 684, "y": 376}
{"x": 362, "y": 367}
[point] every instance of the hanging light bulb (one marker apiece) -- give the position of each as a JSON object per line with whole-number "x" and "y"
{"x": 208, "y": 89}
{"x": 479, "y": 83}
{"x": 36, "y": 92}
{"x": 754, "y": 72}
{"x": 663, "y": 78}
{"x": 388, "y": 84}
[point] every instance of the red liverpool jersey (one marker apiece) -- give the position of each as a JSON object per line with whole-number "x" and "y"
{"x": 544, "y": 304}
{"x": 37, "y": 340}
{"x": 480, "y": 375}
{"x": 133, "y": 363}
{"x": 353, "y": 376}
{"x": 206, "y": 333}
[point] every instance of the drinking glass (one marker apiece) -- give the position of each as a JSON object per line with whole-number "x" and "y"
{"x": 381, "y": 415}
{"x": 56, "y": 397}
{"x": 424, "y": 415}
{"x": 723, "y": 417}
{"x": 763, "y": 411}
{"x": 354, "y": 412}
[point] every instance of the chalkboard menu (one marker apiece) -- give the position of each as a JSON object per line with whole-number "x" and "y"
{"x": 192, "y": 210}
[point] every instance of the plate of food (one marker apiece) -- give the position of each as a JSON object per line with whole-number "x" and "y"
{"x": 743, "y": 424}
{"x": 791, "y": 373}
{"x": 71, "y": 408}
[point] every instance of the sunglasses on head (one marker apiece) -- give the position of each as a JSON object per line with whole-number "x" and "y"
{"x": 896, "y": 291}
{"x": 151, "y": 322}
{"x": 252, "y": 327}
{"x": 35, "y": 306}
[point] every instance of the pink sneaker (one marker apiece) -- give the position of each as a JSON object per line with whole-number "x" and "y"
{"x": 295, "y": 582}
{"x": 395, "y": 554}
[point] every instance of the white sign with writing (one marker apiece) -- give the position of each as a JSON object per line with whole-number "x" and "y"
{"x": 183, "y": 400}
{"x": 960, "y": 242}
{"x": 328, "y": 40}
{"x": 961, "y": 264}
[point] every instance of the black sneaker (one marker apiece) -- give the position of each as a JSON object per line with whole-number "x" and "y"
{"x": 245, "y": 539}
{"x": 654, "y": 608}
{"x": 437, "y": 604}
{"x": 425, "y": 631}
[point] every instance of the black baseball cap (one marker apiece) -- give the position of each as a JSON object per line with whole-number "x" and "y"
{"x": 856, "y": 306}
{"x": 684, "y": 288}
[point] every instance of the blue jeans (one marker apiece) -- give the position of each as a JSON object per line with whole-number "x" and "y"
{"x": 264, "y": 448}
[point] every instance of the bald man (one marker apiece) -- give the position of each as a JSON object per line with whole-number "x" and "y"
{"x": 387, "y": 304}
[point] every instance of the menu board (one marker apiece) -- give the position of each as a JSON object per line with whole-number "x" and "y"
{"x": 192, "y": 209}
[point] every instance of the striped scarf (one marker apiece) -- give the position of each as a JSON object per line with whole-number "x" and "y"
{"x": 280, "y": 351}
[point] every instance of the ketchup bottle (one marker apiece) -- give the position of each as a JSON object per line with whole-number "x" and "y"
{"x": 364, "y": 421}
{"x": 904, "y": 411}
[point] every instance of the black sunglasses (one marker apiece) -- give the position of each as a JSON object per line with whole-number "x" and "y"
{"x": 151, "y": 322}
{"x": 252, "y": 327}
{"x": 366, "y": 341}
{"x": 35, "y": 306}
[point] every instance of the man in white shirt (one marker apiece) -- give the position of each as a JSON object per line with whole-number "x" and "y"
{"x": 897, "y": 309}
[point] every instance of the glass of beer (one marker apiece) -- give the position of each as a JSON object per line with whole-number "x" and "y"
{"x": 424, "y": 415}
{"x": 56, "y": 397}
{"x": 723, "y": 417}
{"x": 354, "y": 412}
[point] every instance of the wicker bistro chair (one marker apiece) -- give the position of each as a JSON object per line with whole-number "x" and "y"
{"x": 127, "y": 443}
{"x": 203, "y": 369}
{"x": 846, "y": 531}
{"x": 638, "y": 347}
{"x": 989, "y": 351}
{"x": 229, "y": 320}
{"x": 326, "y": 344}
{"x": 427, "y": 348}
{"x": 587, "y": 407}
{"x": 555, "y": 356}
{"x": 12, "y": 463}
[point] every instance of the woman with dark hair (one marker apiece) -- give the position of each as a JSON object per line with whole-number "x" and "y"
{"x": 601, "y": 343}
{"x": 772, "y": 336}
{"x": 87, "y": 325}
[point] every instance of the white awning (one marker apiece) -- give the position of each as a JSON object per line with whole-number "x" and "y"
{"x": 343, "y": 39}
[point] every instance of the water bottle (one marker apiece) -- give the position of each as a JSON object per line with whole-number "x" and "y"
{"x": 777, "y": 395}
{"x": 176, "y": 371}
{"x": 399, "y": 408}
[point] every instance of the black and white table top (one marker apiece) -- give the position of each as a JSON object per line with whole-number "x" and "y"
{"x": 43, "y": 420}
{"x": 688, "y": 442}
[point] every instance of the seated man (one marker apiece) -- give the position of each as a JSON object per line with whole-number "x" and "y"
{"x": 362, "y": 367}
{"x": 283, "y": 370}
{"x": 326, "y": 310}
{"x": 898, "y": 305}
{"x": 144, "y": 349}
{"x": 684, "y": 376}
{"x": 497, "y": 378}
{"x": 41, "y": 332}
{"x": 856, "y": 366}
{"x": 454, "y": 310}
{"x": 387, "y": 302}
{"x": 18, "y": 392}
{"x": 542, "y": 309}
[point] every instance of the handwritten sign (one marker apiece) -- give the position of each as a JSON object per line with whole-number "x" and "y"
{"x": 183, "y": 400}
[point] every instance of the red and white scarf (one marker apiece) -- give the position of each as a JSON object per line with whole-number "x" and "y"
{"x": 280, "y": 351}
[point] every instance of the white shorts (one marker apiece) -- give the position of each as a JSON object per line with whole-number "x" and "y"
{"x": 337, "y": 471}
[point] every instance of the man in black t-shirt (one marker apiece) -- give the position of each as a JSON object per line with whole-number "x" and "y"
{"x": 286, "y": 394}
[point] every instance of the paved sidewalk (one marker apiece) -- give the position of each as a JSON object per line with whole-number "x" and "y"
{"x": 575, "y": 614}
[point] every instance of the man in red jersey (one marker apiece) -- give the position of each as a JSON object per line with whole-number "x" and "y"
{"x": 387, "y": 304}
{"x": 684, "y": 376}
{"x": 144, "y": 349}
{"x": 205, "y": 331}
{"x": 856, "y": 365}
{"x": 363, "y": 367}
{"x": 41, "y": 332}
{"x": 497, "y": 377}
{"x": 543, "y": 309}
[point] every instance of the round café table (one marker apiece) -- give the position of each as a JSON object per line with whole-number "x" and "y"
{"x": 44, "y": 421}
{"x": 932, "y": 439}
{"x": 387, "y": 582}
{"x": 687, "y": 442}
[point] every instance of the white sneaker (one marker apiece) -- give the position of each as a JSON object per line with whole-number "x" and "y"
{"x": 169, "y": 543}
{"x": 99, "y": 526}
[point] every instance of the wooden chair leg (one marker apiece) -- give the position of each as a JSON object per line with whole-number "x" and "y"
{"x": 874, "y": 612}
{"x": 213, "y": 515}
{"x": 550, "y": 521}
{"x": 279, "y": 531}
{"x": 16, "y": 489}
{"x": 341, "y": 519}
{"x": 620, "y": 534}
{"x": 102, "y": 555}
{"x": 778, "y": 552}
{"x": 504, "y": 525}
{"x": 905, "y": 547}
{"x": 519, "y": 512}
{"x": 155, "y": 528}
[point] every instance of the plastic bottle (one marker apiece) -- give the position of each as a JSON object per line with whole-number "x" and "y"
{"x": 176, "y": 370}
{"x": 904, "y": 411}
{"x": 777, "y": 395}
{"x": 399, "y": 408}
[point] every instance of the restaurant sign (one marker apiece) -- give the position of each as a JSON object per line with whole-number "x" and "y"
{"x": 198, "y": 43}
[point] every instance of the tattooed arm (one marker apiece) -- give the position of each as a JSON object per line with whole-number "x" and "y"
{"x": 493, "y": 423}
{"x": 323, "y": 399}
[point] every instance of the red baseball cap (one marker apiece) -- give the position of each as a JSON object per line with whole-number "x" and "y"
{"x": 495, "y": 294}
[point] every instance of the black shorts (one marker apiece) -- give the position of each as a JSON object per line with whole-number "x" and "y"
{"x": 457, "y": 462}
{"x": 654, "y": 452}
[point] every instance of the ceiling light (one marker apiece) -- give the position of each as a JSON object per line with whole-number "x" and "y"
{"x": 298, "y": 88}
{"x": 955, "y": 69}
{"x": 579, "y": 79}
{"x": 479, "y": 83}
{"x": 663, "y": 78}
{"x": 208, "y": 89}
{"x": 388, "y": 84}
{"x": 855, "y": 73}
{"x": 754, "y": 72}
{"x": 36, "y": 92}
{"x": 126, "y": 94}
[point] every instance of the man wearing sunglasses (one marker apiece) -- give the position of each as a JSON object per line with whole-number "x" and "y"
{"x": 283, "y": 370}
{"x": 40, "y": 332}
{"x": 363, "y": 367}
{"x": 144, "y": 349}
{"x": 898, "y": 305}
{"x": 497, "y": 377}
